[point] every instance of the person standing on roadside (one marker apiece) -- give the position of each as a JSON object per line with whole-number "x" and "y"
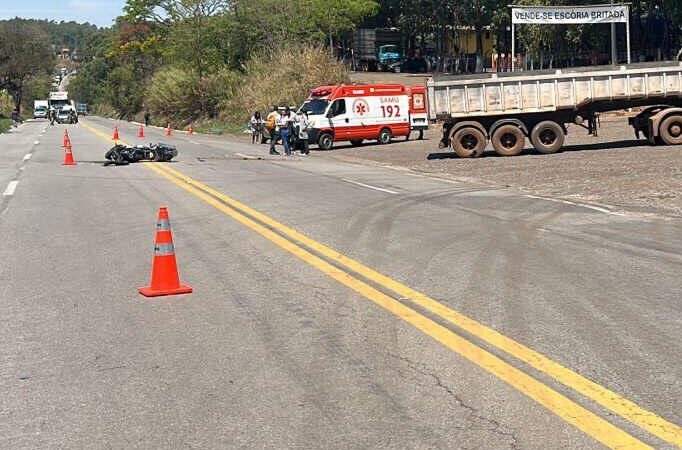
{"x": 15, "y": 117}
{"x": 303, "y": 126}
{"x": 285, "y": 124}
{"x": 147, "y": 116}
{"x": 272, "y": 125}
{"x": 256, "y": 127}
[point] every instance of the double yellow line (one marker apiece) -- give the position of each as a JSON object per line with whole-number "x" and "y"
{"x": 344, "y": 270}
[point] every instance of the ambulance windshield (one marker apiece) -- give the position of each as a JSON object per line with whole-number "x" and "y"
{"x": 315, "y": 106}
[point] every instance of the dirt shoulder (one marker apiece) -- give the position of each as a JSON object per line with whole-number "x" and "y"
{"x": 613, "y": 169}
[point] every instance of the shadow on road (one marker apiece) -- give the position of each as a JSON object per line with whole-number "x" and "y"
{"x": 613, "y": 145}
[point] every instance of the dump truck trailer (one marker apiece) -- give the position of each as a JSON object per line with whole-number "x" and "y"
{"x": 506, "y": 108}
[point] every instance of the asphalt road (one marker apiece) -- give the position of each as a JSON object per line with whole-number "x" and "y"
{"x": 501, "y": 321}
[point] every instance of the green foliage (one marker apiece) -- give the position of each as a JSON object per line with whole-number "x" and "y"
{"x": 37, "y": 88}
{"x": 186, "y": 59}
{"x": 5, "y": 124}
{"x": 25, "y": 54}
{"x": 63, "y": 34}
{"x": 281, "y": 77}
{"x": 123, "y": 92}
{"x": 172, "y": 93}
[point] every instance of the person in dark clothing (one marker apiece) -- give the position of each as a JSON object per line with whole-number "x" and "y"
{"x": 146, "y": 117}
{"x": 15, "y": 117}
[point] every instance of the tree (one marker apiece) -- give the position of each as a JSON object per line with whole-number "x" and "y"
{"x": 338, "y": 16}
{"x": 25, "y": 53}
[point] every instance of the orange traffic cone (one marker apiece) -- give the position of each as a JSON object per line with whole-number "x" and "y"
{"x": 168, "y": 130}
{"x": 140, "y": 132}
{"x": 165, "y": 279}
{"x": 66, "y": 139}
{"x": 68, "y": 156}
{"x": 115, "y": 138}
{"x": 190, "y": 130}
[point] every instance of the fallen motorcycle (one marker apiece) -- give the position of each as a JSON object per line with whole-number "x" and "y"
{"x": 121, "y": 154}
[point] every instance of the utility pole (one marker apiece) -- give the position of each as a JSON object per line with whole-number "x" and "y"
{"x": 614, "y": 49}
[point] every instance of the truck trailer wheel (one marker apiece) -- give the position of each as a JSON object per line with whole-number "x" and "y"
{"x": 468, "y": 142}
{"x": 508, "y": 140}
{"x": 547, "y": 137}
{"x": 326, "y": 141}
{"x": 670, "y": 130}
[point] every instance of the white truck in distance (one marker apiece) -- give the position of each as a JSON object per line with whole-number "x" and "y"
{"x": 40, "y": 109}
{"x": 58, "y": 99}
{"x": 507, "y": 108}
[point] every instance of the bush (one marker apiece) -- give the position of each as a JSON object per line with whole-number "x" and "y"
{"x": 123, "y": 92}
{"x": 172, "y": 93}
{"x": 283, "y": 76}
{"x": 178, "y": 95}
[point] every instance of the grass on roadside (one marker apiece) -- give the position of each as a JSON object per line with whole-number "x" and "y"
{"x": 5, "y": 124}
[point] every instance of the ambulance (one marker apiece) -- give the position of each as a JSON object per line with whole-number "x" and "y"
{"x": 419, "y": 118}
{"x": 358, "y": 113}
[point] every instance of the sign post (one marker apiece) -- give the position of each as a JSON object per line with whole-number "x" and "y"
{"x": 548, "y": 15}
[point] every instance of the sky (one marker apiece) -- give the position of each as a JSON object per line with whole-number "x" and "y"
{"x": 98, "y": 12}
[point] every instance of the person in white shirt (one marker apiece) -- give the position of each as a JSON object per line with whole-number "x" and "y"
{"x": 303, "y": 127}
{"x": 256, "y": 128}
{"x": 285, "y": 124}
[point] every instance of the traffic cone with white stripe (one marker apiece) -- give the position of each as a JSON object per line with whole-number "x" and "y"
{"x": 168, "y": 130}
{"x": 115, "y": 137}
{"x": 67, "y": 140}
{"x": 68, "y": 155}
{"x": 140, "y": 132}
{"x": 190, "y": 130}
{"x": 165, "y": 279}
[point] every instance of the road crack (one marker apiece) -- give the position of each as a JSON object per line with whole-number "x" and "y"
{"x": 492, "y": 425}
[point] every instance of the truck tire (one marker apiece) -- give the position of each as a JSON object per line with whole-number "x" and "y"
{"x": 385, "y": 136}
{"x": 670, "y": 130}
{"x": 547, "y": 137}
{"x": 508, "y": 140}
{"x": 468, "y": 142}
{"x": 326, "y": 141}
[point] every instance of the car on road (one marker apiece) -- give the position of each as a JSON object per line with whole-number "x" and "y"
{"x": 81, "y": 109}
{"x": 411, "y": 65}
{"x": 66, "y": 114}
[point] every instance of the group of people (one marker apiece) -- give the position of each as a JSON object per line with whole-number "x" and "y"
{"x": 288, "y": 127}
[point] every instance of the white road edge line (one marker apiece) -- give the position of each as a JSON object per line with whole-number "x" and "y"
{"x": 357, "y": 183}
{"x": 581, "y": 205}
{"x": 27, "y": 156}
{"x": 11, "y": 187}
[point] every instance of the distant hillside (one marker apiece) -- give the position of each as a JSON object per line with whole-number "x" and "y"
{"x": 66, "y": 34}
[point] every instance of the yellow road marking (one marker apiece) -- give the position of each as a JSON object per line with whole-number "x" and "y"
{"x": 610, "y": 400}
{"x": 569, "y": 411}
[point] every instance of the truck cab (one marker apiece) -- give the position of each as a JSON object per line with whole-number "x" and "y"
{"x": 388, "y": 55}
